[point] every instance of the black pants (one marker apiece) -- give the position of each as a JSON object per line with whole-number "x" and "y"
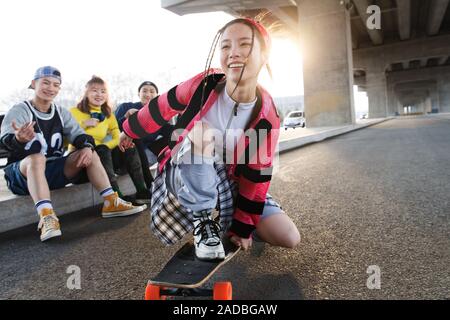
{"x": 130, "y": 158}
{"x": 140, "y": 146}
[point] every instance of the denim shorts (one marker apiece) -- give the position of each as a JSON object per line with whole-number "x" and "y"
{"x": 271, "y": 207}
{"x": 54, "y": 173}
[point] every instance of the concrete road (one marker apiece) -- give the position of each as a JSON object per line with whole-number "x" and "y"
{"x": 373, "y": 200}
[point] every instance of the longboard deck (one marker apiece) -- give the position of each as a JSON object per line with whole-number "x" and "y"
{"x": 185, "y": 270}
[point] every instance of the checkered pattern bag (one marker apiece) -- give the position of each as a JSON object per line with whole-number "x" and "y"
{"x": 170, "y": 221}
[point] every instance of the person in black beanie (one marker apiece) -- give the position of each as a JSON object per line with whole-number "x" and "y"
{"x": 148, "y": 148}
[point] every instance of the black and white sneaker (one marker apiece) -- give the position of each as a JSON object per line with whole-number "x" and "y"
{"x": 208, "y": 245}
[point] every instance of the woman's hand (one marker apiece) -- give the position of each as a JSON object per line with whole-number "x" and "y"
{"x": 242, "y": 242}
{"x": 130, "y": 112}
{"x": 125, "y": 142}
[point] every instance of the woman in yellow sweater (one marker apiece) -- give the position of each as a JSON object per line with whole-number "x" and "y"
{"x": 94, "y": 114}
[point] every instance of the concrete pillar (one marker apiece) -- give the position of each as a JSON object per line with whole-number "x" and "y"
{"x": 434, "y": 96}
{"x": 392, "y": 97}
{"x": 444, "y": 93}
{"x": 392, "y": 102}
{"x": 400, "y": 108}
{"x": 325, "y": 34}
{"x": 428, "y": 105}
{"x": 422, "y": 107}
{"x": 377, "y": 94}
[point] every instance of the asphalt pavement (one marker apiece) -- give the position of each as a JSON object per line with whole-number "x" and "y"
{"x": 376, "y": 199}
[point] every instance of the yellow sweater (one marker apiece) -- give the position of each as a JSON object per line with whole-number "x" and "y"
{"x": 106, "y": 132}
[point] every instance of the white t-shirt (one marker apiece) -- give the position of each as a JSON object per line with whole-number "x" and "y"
{"x": 222, "y": 118}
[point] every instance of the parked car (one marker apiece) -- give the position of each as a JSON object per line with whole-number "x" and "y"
{"x": 294, "y": 119}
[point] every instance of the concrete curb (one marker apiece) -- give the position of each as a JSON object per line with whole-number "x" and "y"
{"x": 291, "y": 144}
{"x": 18, "y": 211}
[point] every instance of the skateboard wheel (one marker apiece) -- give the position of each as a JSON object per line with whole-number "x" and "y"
{"x": 222, "y": 291}
{"x": 152, "y": 292}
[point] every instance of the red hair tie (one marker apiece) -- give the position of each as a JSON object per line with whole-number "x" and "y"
{"x": 263, "y": 31}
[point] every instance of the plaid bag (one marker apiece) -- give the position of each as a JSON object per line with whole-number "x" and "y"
{"x": 170, "y": 221}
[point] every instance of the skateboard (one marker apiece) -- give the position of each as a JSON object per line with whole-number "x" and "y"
{"x": 184, "y": 275}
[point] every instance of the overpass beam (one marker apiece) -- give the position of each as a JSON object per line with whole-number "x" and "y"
{"x": 283, "y": 16}
{"x": 423, "y": 62}
{"x": 436, "y": 16}
{"x": 325, "y": 34}
{"x": 404, "y": 18}
{"x": 405, "y": 65}
{"x": 442, "y": 60}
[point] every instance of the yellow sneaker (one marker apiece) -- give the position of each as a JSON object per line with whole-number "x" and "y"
{"x": 116, "y": 207}
{"x": 49, "y": 224}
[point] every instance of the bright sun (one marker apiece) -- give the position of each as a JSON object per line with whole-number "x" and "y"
{"x": 286, "y": 62}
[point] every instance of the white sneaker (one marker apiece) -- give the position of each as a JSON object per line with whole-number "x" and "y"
{"x": 208, "y": 245}
{"x": 49, "y": 225}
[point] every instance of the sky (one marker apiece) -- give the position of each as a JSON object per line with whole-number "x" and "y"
{"x": 133, "y": 37}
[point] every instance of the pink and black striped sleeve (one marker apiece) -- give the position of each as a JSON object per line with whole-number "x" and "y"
{"x": 152, "y": 116}
{"x": 254, "y": 182}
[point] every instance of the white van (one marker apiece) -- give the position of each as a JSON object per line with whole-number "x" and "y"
{"x": 294, "y": 119}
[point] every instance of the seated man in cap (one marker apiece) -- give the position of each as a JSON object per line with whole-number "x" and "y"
{"x": 148, "y": 147}
{"x": 34, "y": 132}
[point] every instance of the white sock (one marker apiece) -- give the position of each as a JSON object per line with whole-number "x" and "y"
{"x": 107, "y": 192}
{"x": 43, "y": 204}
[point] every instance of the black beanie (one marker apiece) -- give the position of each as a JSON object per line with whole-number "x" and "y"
{"x": 147, "y": 83}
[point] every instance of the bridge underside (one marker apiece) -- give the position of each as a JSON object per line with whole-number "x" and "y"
{"x": 403, "y": 66}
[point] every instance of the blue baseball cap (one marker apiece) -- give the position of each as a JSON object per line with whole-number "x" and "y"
{"x": 47, "y": 71}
